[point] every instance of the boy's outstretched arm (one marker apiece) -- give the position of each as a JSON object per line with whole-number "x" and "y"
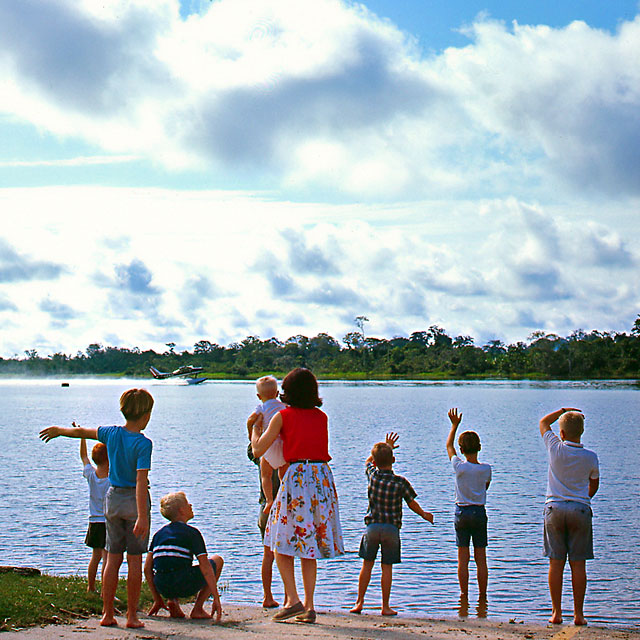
{"x": 70, "y": 432}
{"x": 549, "y": 419}
{"x": 83, "y": 448}
{"x": 456, "y": 419}
{"x": 416, "y": 508}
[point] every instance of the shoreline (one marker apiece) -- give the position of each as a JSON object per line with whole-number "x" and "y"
{"x": 253, "y": 621}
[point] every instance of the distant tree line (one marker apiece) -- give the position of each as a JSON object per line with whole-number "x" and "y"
{"x": 423, "y": 354}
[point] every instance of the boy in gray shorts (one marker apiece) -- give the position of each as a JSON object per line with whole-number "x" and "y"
{"x": 573, "y": 479}
{"x": 127, "y": 504}
{"x": 384, "y": 518}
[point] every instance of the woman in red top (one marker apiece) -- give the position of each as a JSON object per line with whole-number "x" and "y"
{"x": 304, "y": 521}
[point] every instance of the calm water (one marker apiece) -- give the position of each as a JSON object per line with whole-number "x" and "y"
{"x": 200, "y": 447}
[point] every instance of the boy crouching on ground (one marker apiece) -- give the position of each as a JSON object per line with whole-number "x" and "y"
{"x": 169, "y": 569}
{"x": 384, "y": 518}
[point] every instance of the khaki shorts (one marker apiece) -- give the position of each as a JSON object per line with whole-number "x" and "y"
{"x": 568, "y": 531}
{"x": 121, "y": 514}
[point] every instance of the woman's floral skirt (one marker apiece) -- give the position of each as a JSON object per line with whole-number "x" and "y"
{"x": 304, "y": 519}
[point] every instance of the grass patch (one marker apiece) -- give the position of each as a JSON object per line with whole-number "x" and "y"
{"x": 26, "y": 601}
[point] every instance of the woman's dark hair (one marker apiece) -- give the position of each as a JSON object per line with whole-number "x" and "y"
{"x": 300, "y": 389}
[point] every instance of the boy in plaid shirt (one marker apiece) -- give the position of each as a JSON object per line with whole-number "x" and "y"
{"x": 384, "y": 519}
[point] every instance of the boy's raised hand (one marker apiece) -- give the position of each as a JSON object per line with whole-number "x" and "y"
{"x": 455, "y": 417}
{"x": 391, "y": 439}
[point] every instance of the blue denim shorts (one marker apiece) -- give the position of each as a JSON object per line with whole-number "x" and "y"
{"x": 183, "y": 583}
{"x": 382, "y": 535}
{"x": 568, "y": 531}
{"x": 471, "y": 524}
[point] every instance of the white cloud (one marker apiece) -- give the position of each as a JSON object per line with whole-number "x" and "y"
{"x": 325, "y": 95}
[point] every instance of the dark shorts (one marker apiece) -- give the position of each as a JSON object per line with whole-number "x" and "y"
{"x": 121, "y": 514}
{"x": 568, "y": 531}
{"x": 96, "y": 535}
{"x": 382, "y": 535}
{"x": 471, "y": 524}
{"x": 183, "y": 583}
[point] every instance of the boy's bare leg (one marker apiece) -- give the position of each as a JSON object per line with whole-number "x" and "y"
{"x": 267, "y": 574}
{"x": 109, "y": 585}
{"x": 385, "y": 583}
{"x": 174, "y": 608}
{"x": 134, "y": 584}
{"x": 482, "y": 571}
{"x": 579, "y": 584}
{"x": 96, "y": 556}
{"x": 309, "y": 568}
{"x": 266, "y": 471}
{"x": 463, "y": 569}
{"x": 363, "y": 584}
{"x": 104, "y": 564}
{"x": 198, "y": 612}
{"x": 556, "y": 569}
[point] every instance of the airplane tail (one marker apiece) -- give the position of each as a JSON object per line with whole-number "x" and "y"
{"x": 155, "y": 373}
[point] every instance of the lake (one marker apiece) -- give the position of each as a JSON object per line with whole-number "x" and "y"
{"x": 199, "y": 438}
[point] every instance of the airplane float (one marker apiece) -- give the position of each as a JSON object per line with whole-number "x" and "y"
{"x": 188, "y": 373}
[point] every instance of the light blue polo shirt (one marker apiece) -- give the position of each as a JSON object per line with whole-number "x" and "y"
{"x": 128, "y": 452}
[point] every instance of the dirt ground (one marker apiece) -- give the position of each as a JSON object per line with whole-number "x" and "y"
{"x": 255, "y": 623}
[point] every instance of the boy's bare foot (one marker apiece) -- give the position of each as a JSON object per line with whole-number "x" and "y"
{"x": 269, "y": 603}
{"x": 108, "y": 621}
{"x": 579, "y": 621}
{"x": 200, "y": 614}
{"x": 357, "y": 608}
{"x": 134, "y": 623}
{"x": 174, "y": 609}
{"x": 556, "y": 618}
{"x": 388, "y": 611}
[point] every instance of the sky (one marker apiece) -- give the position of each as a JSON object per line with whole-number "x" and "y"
{"x": 211, "y": 170}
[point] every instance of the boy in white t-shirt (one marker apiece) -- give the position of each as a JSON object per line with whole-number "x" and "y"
{"x": 472, "y": 482}
{"x": 98, "y": 479}
{"x": 267, "y": 392}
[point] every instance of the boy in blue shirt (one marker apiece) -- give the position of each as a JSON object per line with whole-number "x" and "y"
{"x": 169, "y": 566}
{"x": 127, "y": 503}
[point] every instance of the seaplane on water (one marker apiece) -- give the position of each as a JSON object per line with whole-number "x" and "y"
{"x": 188, "y": 373}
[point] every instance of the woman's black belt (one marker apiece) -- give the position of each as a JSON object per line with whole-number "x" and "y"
{"x": 307, "y": 460}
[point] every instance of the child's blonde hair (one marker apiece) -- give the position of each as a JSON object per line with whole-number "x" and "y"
{"x": 572, "y": 423}
{"x": 171, "y": 504}
{"x": 267, "y": 386}
{"x": 135, "y": 403}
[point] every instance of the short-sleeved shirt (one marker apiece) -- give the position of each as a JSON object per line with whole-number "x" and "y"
{"x": 128, "y": 452}
{"x": 175, "y": 545}
{"x": 471, "y": 481}
{"x": 571, "y": 466}
{"x": 97, "y": 491}
{"x": 386, "y": 492}
{"x": 268, "y": 409}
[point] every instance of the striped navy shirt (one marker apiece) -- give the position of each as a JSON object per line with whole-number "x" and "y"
{"x": 386, "y": 492}
{"x": 174, "y": 547}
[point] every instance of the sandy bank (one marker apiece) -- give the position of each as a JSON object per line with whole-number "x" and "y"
{"x": 248, "y": 622}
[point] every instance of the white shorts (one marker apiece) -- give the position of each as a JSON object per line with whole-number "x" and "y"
{"x": 273, "y": 455}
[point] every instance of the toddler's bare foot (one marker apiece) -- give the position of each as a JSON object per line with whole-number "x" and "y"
{"x": 267, "y": 506}
{"x": 388, "y": 611}
{"x": 200, "y": 614}
{"x": 174, "y": 609}
{"x": 134, "y": 623}
{"x": 108, "y": 621}
{"x": 357, "y": 608}
{"x": 579, "y": 621}
{"x": 269, "y": 603}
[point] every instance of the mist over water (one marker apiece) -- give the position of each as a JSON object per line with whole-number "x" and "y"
{"x": 200, "y": 441}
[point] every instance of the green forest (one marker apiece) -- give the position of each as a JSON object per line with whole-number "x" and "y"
{"x": 431, "y": 353}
